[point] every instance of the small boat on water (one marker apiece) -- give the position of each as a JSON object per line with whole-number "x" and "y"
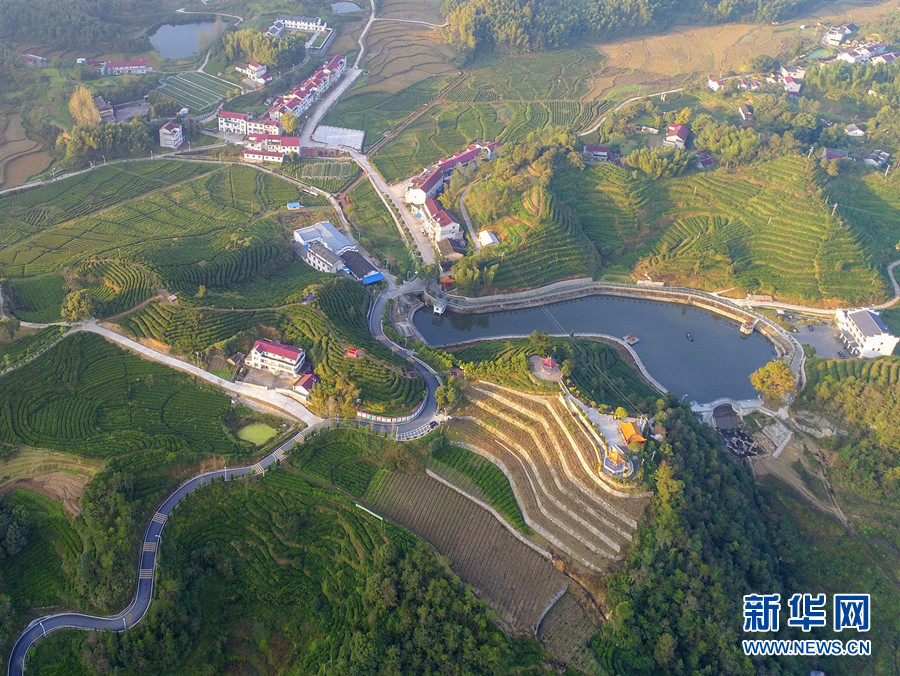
{"x": 631, "y": 339}
{"x": 690, "y": 337}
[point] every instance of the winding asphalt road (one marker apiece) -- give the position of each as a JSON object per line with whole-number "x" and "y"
{"x": 143, "y": 596}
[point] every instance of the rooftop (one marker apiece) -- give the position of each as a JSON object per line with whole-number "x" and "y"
{"x": 868, "y": 323}
{"x": 358, "y": 266}
{"x": 327, "y": 233}
{"x": 274, "y": 347}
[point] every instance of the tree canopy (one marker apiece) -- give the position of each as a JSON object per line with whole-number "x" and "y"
{"x": 775, "y": 381}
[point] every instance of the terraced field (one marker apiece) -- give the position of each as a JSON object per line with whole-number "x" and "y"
{"x": 551, "y": 464}
{"x": 199, "y": 91}
{"x": 566, "y": 633}
{"x": 513, "y": 579}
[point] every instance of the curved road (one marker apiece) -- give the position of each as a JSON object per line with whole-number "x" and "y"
{"x": 134, "y": 613}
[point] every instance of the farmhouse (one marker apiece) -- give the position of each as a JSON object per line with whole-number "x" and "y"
{"x": 439, "y": 224}
{"x": 259, "y": 156}
{"x": 714, "y": 83}
{"x": 138, "y": 67}
{"x": 877, "y": 158}
{"x": 276, "y": 357}
{"x": 170, "y": 135}
{"x": 596, "y": 154}
{"x": 792, "y": 86}
{"x": 794, "y": 71}
{"x": 233, "y": 123}
{"x": 676, "y": 136}
{"x": 423, "y": 188}
{"x": 854, "y": 130}
{"x": 301, "y": 97}
{"x": 451, "y": 250}
{"x": 271, "y": 127}
{"x": 864, "y": 333}
{"x": 430, "y": 182}
{"x": 307, "y": 24}
{"x": 834, "y": 154}
{"x": 746, "y": 111}
{"x": 305, "y": 384}
{"x": 107, "y": 114}
{"x": 888, "y": 57}
{"x": 253, "y": 70}
{"x": 837, "y": 34}
{"x": 486, "y": 238}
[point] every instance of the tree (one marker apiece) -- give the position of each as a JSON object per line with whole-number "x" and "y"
{"x": 82, "y": 107}
{"x": 78, "y": 305}
{"x": 201, "y": 291}
{"x": 621, "y": 412}
{"x": 774, "y": 381}
{"x": 539, "y": 343}
{"x": 11, "y": 325}
{"x": 289, "y": 122}
{"x": 14, "y": 526}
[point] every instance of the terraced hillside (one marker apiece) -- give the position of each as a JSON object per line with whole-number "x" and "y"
{"x": 566, "y": 632}
{"x": 551, "y": 465}
{"x": 513, "y": 579}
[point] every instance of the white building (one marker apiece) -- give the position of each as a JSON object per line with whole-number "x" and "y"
{"x": 307, "y": 24}
{"x": 271, "y": 127}
{"x": 233, "y": 123}
{"x": 253, "y": 70}
{"x": 487, "y": 238}
{"x": 438, "y": 222}
{"x": 138, "y": 67}
{"x": 321, "y": 258}
{"x": 305, "y": 384}
{"x": 259, "y": 156}
{"x": 865, "y": 334}
{"x": 276, "y": 357}
{"x": 854, "y": 130}
{"x": 327, "y": 234}
{"x": 423, "y": 188}
{"x": 676, "y": 136}
{"x": 171, "y": 135}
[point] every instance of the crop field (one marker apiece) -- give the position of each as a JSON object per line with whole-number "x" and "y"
{"x": 551, "y": 465}
{"x": 566, "y": 633}
{"x": 117, "y": 286}
{"x": 89, "y": 397}
{"x": 562, "y": 75}
{"x": 37, "y": 299}
{"x": 199, "y": 91}
{"x": 378, "y": 106}
{"x": 58, "y": 476}
{"x": 286, "y": 284}
{"x": 870, "y": 205}
{"x": 338, "y": 460}
{"x": 375, "y": 230}
{"x": 513, "y": 579}
{"x": 598, "y": 373}
{"x": 329, "y": 175}
{"x": 490, "y": 480}
{"x": 418, "y": 10}
{"x": 213, "y": 230}
{"x": 30, "y": 211}
{"x": 883, "y": 371}
{"x": 24, "y": 346}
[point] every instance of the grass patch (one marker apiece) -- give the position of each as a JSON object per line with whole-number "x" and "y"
{"x": 375, "y": 230}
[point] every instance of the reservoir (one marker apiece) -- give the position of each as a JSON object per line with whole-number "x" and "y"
{"x": 185, "y": 40}
{"x": 716, "y": 363}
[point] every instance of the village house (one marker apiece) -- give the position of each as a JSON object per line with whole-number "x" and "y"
{"x": 431, "y": 181}
{"x": 877, "y": 158}
{"x": 676, "y": 136}
{"x": 138, "y": 67}
{"x": 360, "y": 269}
{"x": 233, "y": 123}
{"x": 259, "y": 156}
{"x": 864, "y": 333}
{"x": 253, "y": 70}
{"x": 794, "y": 71}
{"x": 834, "y": 154}
{"x": 792, "y": 86}
{"x": 715, "y": 84}
{"x": 746, "y": 111}
{"x": 305, "y": 384}
{"x": 596, "y": 154}
{"x": 423, "y": 188}
{"x": 451, "y": 250}
{"x": 170, "y": 135}
{"x": 321, "y": 258}
{"x": 305, "y": 24}
{"x": 276, "y": 357}
{"x": 107, "y": 114}
{"x": 854, "y": 130}
{"x": 487, "y": 238}
{"x": 888, "y": 57}
{"x": 438, "y": 222}
{"x": 837, "y": 34}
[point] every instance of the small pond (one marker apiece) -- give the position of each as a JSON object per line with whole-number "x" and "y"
{"x": 257, "y": 433}
{"x": 187, "y": 39}
{"x": 344, "y": 8}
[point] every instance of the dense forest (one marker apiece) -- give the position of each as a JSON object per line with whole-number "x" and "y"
{"x": 78, "y": 24}
{"x": 701, "y": 546}
{"x": 522, "y": 26}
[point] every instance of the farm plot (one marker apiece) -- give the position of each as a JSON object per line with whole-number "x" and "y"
{"x": 329, "y": 175}
{"x": 566, "y": 633}
{"x": 25, "y": 346}
{"x": 58, "y": 476}
{"x": 513, "y": 579}
{"x": 375, "y": 229}
{"x": 551, "y": 464}
{"x": 199, "y": 91}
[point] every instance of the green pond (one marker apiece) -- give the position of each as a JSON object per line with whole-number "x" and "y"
{"x": 257, "y": 433}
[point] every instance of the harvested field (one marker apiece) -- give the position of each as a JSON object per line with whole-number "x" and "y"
{"x": 58, "y": 476}
{"x": 20, "y": 157}
{"x": 565, "y": 633}
{"x": 685, "y": 53}
{"x": 550, "y": 463}
{"x": 510, "y": 577}
{"x": 415, "y": 10}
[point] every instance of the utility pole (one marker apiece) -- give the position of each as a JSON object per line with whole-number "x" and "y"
{"x": 834, "y": 210}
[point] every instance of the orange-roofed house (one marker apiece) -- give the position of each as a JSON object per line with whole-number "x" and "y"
{"x": 631, "y": 432}
{"x": 352, "y": 353}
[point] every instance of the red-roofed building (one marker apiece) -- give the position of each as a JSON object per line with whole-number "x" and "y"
{"x": 439, "y": 223}
{"x": 233, "y": 123}
{"x": 304, "y": 385}
{"x": 258, "y": 156}
{"x": 714, "y": 83}
{"x": 276, "y": 357}
{"x": 549, "y": 363}
{"x": 596, "y": 153}
{"x": 676, "y": 136}
{"x": 449, "y": 164}
{"x": 423, "y": 188}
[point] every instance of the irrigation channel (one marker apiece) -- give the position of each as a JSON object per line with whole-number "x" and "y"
{"x": 714, "y": 362}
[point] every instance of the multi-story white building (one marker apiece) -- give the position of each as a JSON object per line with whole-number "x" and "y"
{"x": 439, "y": 224}
{"x": 865, "y": 334}
{"x": 321, "y": 258}
{"x": 324, "y": 232}
{"x": 258, "y": 156}
{"x": 276, "y": 357}
{"x": 138, "y": 67}
{"x": 307, "y": 24}
{"x": 233, "y": 123}
{"x": 253, "y": 70}
{"x": 171, "y": 135}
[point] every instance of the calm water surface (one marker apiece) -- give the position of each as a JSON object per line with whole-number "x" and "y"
{"x": 184, "y": 40}
{"x": 717, "y": 363}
